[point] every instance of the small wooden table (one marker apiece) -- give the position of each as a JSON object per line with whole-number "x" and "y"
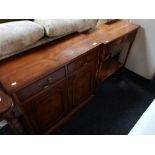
{"x": 6, "y": 112}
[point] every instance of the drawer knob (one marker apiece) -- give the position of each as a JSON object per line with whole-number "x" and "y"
{"x": 50, "y": 80}
{"x": 82, "y": 62}
{"x": 43, "y": 86}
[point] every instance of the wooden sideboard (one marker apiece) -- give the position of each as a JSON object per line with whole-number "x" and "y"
{"x": 50, "y": 83}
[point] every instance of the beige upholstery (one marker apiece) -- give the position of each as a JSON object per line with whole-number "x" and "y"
{"x": 58, "y": 27}
{"x": 20, "y": 36}
{"x": 86, "y": 24}
{"x": 101, "y": 21}
{"x": 15, "y": 36}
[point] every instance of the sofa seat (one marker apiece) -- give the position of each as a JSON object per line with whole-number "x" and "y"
{"x": 60, "y": 27}
{"x": 20, "y": 36}
{"x": 15, "y": 36}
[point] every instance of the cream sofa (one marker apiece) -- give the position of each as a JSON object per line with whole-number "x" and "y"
{"x": 20, "y": 36}
{"x": 15, "y": 36}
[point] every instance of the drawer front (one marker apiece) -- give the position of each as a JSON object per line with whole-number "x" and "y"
{"x": 130, "y": 37}
{"x": 92, "y": 56}
{"x": 115, "y": 45}
{"x": 40, "y": 85}
{"x": 84, "y": 60}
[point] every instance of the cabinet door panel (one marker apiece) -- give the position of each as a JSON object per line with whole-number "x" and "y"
{"x": 49, "y": 107}
{"x": 82, "y": 83}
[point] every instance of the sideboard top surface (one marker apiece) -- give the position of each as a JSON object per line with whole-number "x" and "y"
{"x": 109, "y": 32}
{"x": 17, "y": 71}
{"x": 21, "y": 69}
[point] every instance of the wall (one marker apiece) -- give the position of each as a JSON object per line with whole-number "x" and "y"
{"x": 141, "y": 59}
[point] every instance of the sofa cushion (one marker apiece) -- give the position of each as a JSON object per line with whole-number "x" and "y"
{"x": 87, "y": 24}
{"x": 60, "y": 27}
{"x": 101, "y": 22}
{"x": 17, "y": 35}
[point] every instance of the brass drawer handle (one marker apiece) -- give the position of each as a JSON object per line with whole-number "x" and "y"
{"x": 43, "y": 86}
{"x": 50, "y": 80}
{"x": 85, "y": 63}
{"x": 82, "y": 62}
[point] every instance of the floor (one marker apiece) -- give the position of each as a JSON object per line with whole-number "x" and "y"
{"x": 120, "y": 101}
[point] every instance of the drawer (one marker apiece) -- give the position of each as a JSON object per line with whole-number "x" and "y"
{"x": 115, "y": 45}
{"x": 41, "y": 84}
{"x": 84, "y": 60}
{"x": 130, "y": 37}
{"x": 92, "y": 56}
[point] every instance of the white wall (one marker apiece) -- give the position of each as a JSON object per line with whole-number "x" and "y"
{"x": 141, "y": 59}
{"x": 146, "y": 124}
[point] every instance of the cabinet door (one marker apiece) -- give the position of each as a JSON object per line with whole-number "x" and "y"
{"x": 48, "y": 108}
{"x": 82, "y": 83}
